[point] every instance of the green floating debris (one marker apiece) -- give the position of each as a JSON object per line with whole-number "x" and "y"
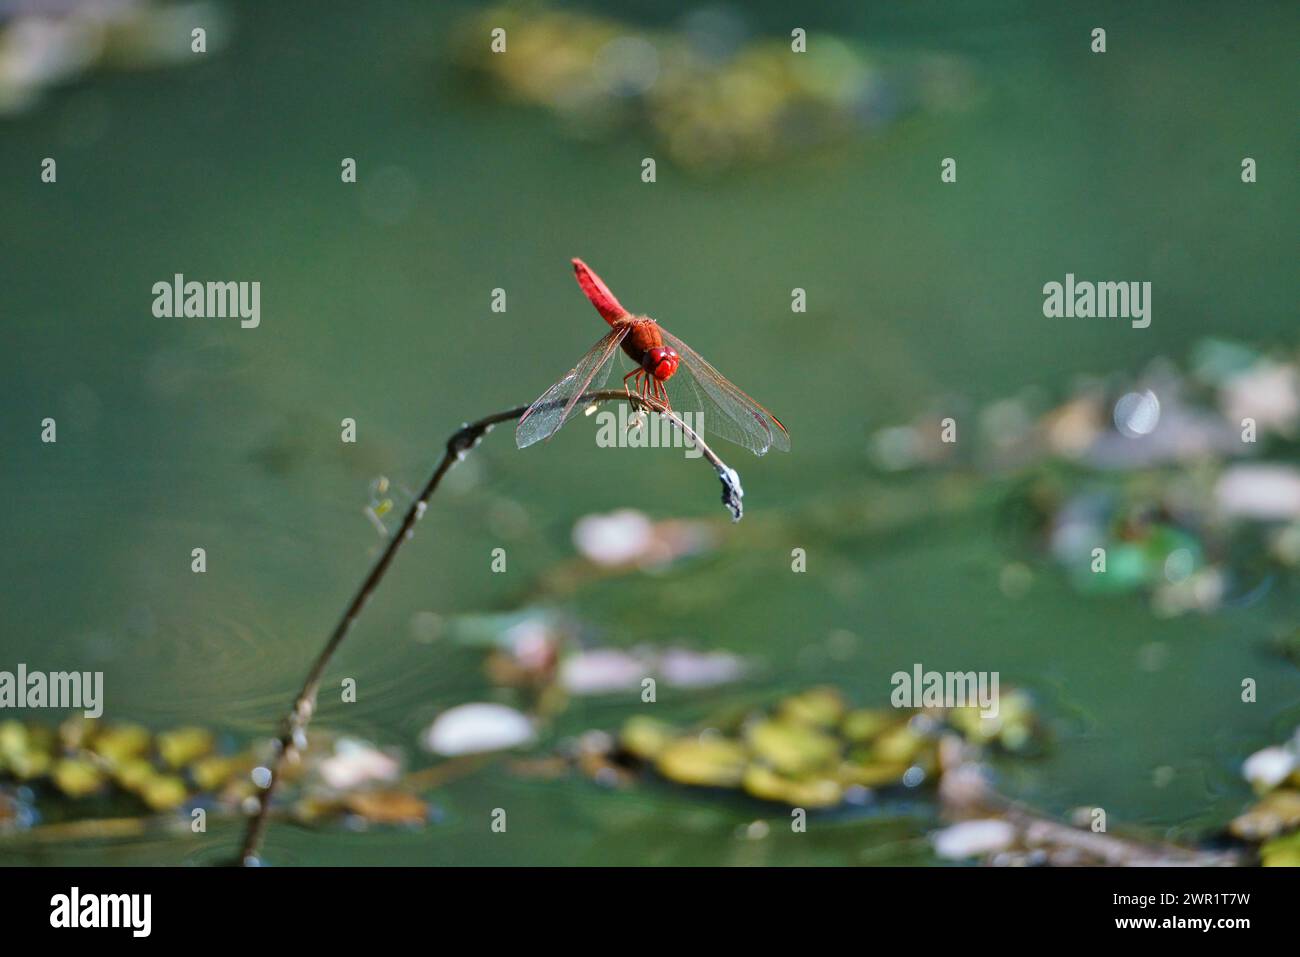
{"x": 26, "y": 752}
{"x": 210, "y": 772}
{"x": 1282, "y": 851}
{"x": 709, "y": 103}
{"x": 865, "y": 774}
{"x": 77, "y": 778}
{"x": 710, "y": 762}
{"x": 1014, "y": 727}
{"x": 163, "y": 792}
{"x": 810, "y": 749}
{"x": 387, "y": 807}
{"x": 162, "y": 772}
{"x": 184, "y": 745}
{"x": 792, "y": 748}
{"x": 1275, "y": 813}
{"x": 820, "y": 706}
{"x": 817, "y": 792}
{"x": 899, "y": 745}
{"x": 646, "y": 738}
{"x": 119, "y": 744}
{"x": 373, "y": 807}
{"x": 13, "y": 739}
{"x": 865, "y": 724}
{"x": 132, "y": 775}
{"x": 1274, "y": 820}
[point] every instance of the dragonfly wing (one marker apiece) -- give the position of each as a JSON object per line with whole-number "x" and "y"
{"x": 552, "y": 409}
{"x": 728, "y": 412}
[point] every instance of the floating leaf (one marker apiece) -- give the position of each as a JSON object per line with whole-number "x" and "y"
{"x": 764, "y": 783}
{"x": 864, "y": 724}
{"x": 211, "y": 772}
{"x": 712, "y": 761}
{"x": 184, "y": 745}
{"x": 122, "y": 742}
{"x": 872, "y": 775}
{"x": 163, "y": 792}
{"x": 819, "y": 706}
{"x": 1282, "y": 851}
{"x": 646, "y": 737}
{"x": 133, "y": 774}
{"x": 1275, "y": 813}
{"x": 790, "y": 747}
{"x": 76, "y": 777}
{"x": 387, "y": 807}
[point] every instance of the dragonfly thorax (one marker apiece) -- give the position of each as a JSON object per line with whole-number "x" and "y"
{"x": 645, "y": 345}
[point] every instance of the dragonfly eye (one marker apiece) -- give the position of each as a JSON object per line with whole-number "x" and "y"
{"x": 662, "y": 362}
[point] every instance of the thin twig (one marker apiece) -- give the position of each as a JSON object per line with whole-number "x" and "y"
{"x": 293, "y": 738}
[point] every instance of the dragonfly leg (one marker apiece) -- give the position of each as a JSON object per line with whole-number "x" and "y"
{"x": 629, "y": 376}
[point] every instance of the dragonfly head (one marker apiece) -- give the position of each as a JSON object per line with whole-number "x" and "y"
{"x": 661, "y": 362}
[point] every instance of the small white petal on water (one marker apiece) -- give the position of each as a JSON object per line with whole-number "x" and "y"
{"x": 690, "y": 669}
{"x": 614, "y": 539}
{"x": 602, "y": 671}
{"x": 475, "y": 728}
{"x": 1259, "y": 491}
{"x": 973, "y": 838}
{"x": 1268, "y": 768}
{"x": 354, "y": 763}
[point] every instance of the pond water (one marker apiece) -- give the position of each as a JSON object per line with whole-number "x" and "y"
{"x": 375, "y": 305}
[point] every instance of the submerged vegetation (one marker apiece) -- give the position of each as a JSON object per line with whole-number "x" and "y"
{"x": 810, "y": 752}
{"x": 713, "y": 95}
{"x": 91, "y": 779}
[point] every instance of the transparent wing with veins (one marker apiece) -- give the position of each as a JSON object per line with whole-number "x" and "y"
{"x": 553, "y": 408}
{"x": 727, "y": 411}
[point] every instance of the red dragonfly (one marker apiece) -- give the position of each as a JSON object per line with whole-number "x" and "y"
{"x": 659, "y": 356}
